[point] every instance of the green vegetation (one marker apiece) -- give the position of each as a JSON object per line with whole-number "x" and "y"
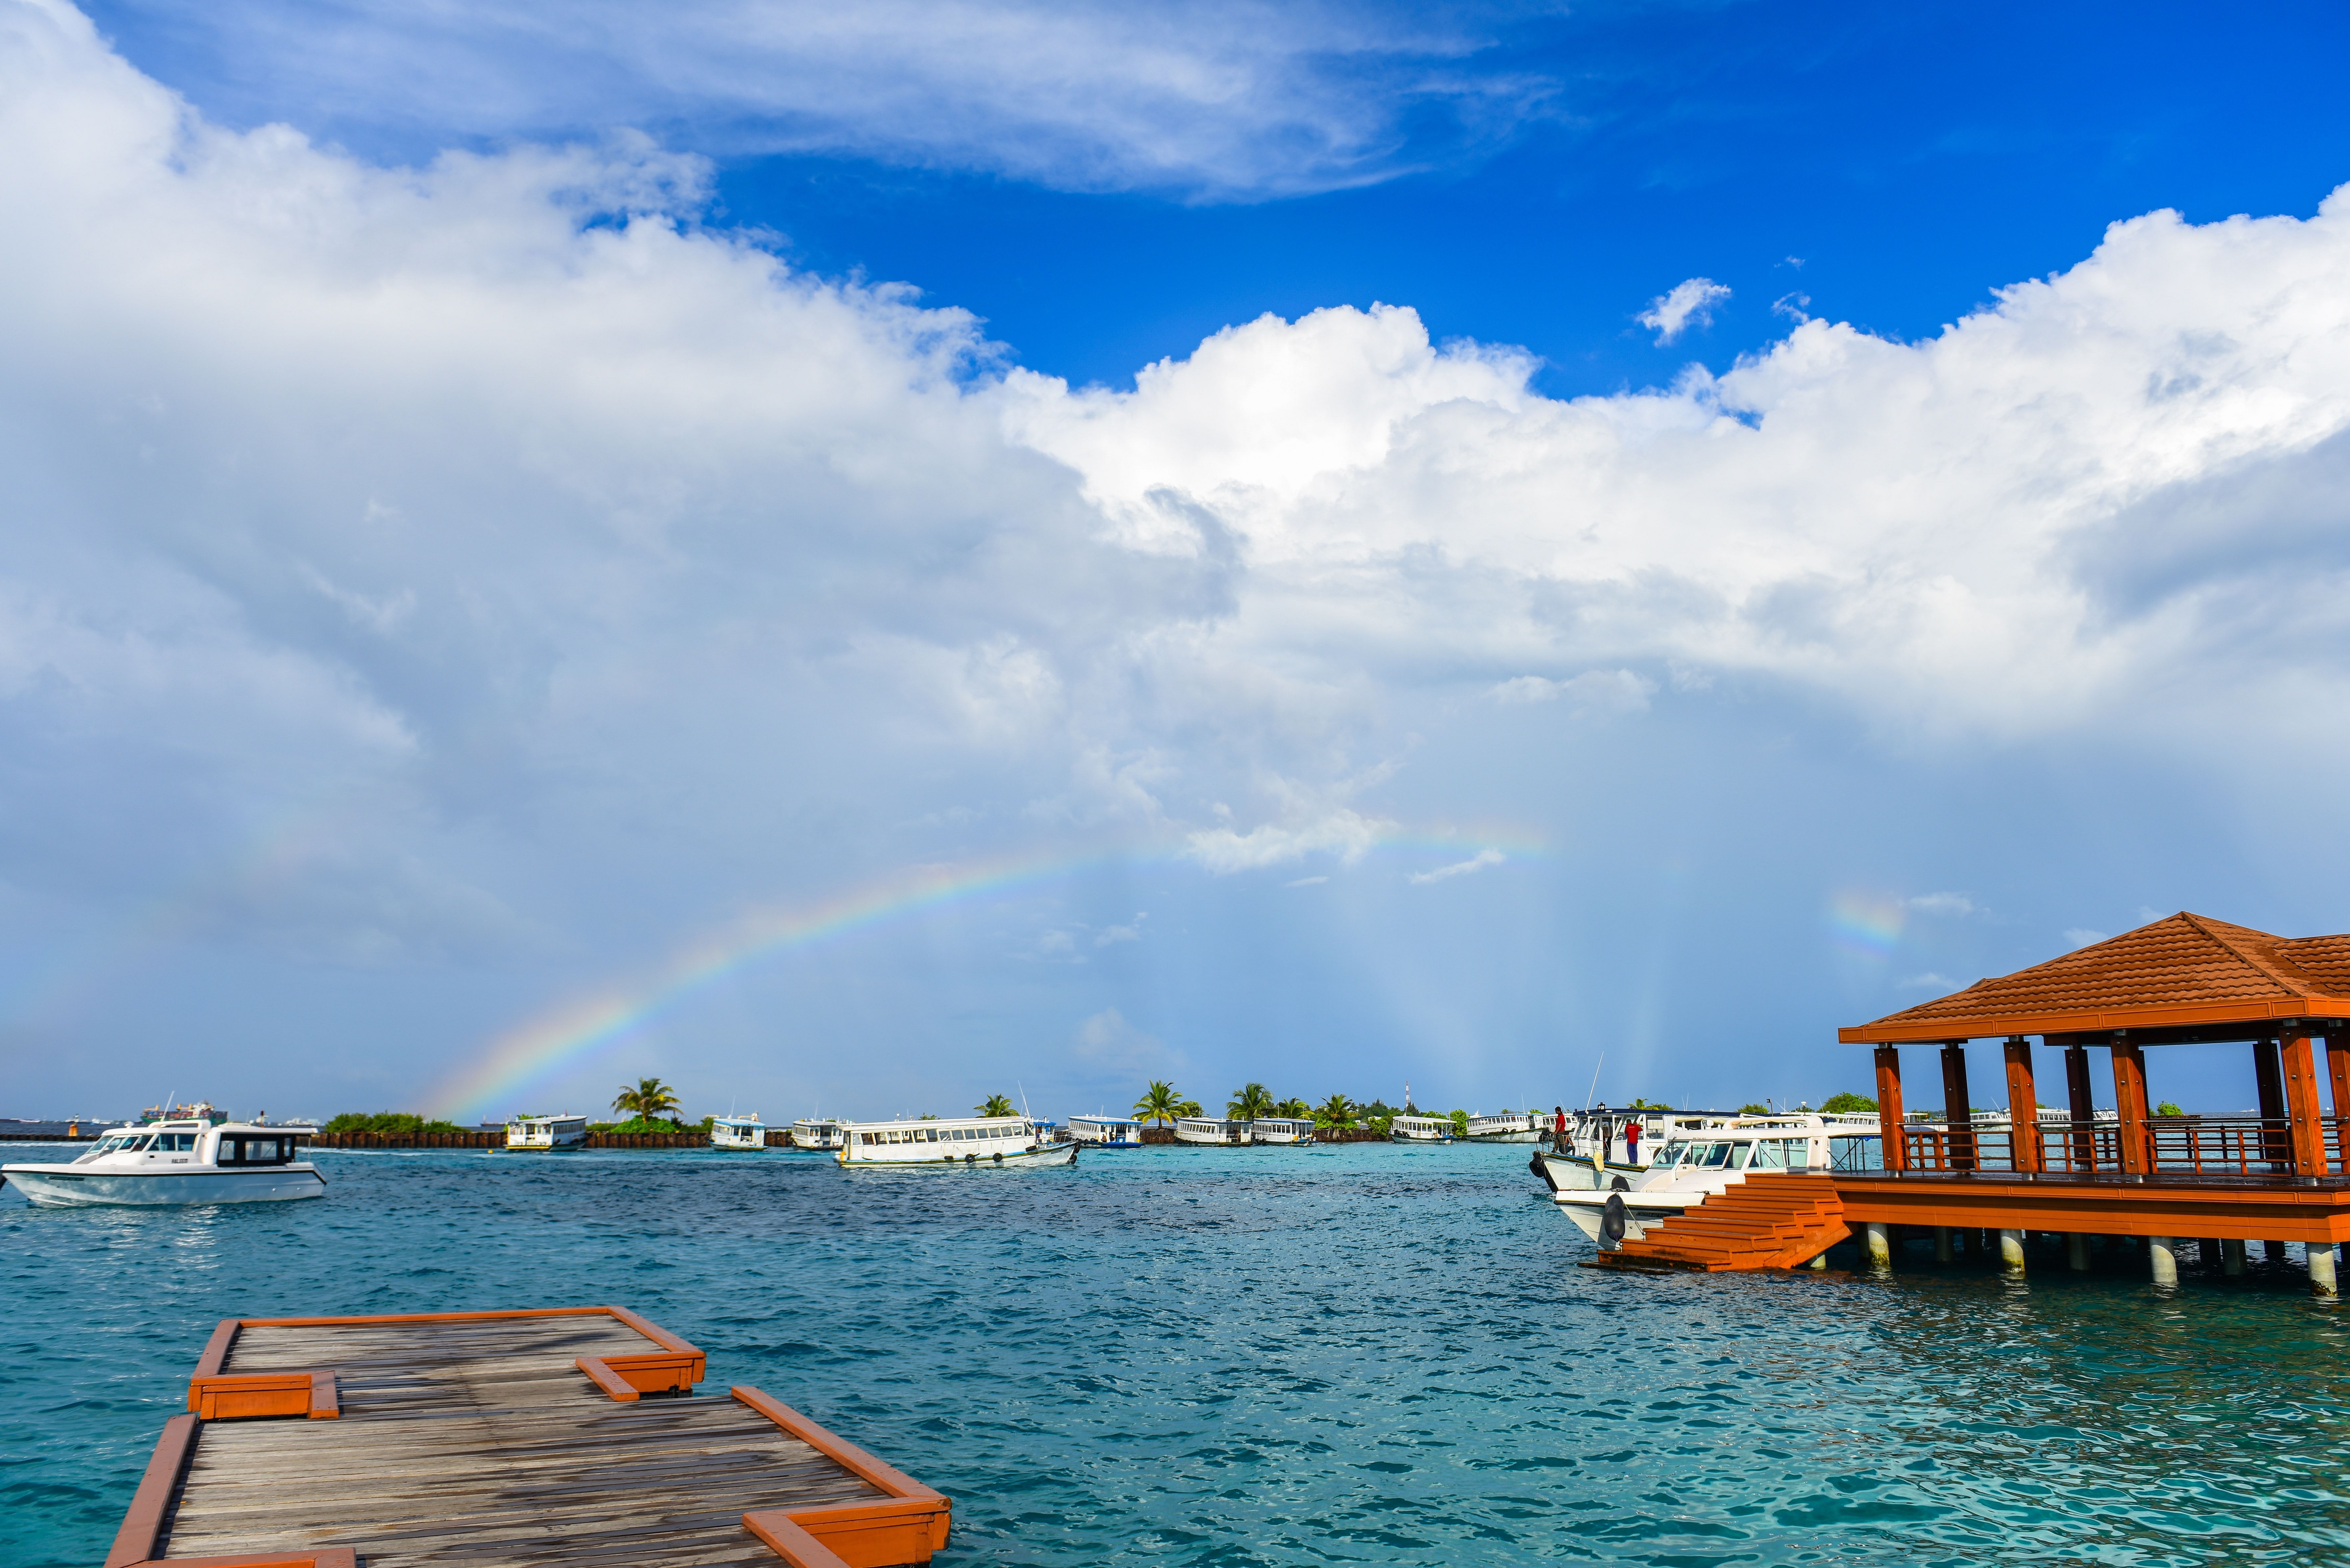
{"x": 1160, "y": 1104}
{"x": 1753, "y": 1110}
{"x": 648, "y": 1101}
{"x": 1337, "y": 1113}
{"x": 2167, "y": 1109}
{"x": 1460, "y": 1124}
{"x": 1293, "y": 1107}
{"x": 642, "y": 1124}
{"x": 996, "y": 1106}
{"x": 1846, "y": 1105}
{"x": 1249, "y": 1102}
{"x": 388, "y": 1121}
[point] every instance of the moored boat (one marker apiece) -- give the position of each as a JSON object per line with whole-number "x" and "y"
{"x": 1211, "y": 1129}
{"x": 1106, "y": 1132}
{"x": 183, "y": 1160}
{"x": 1504, "y": 1126}
{"x": 1695, "y": 1164}
{"x": 1422, "y": 1129}
{"x": 738, "y": 1132}
{"x": 817, "y": 1132}
{"x": 546, "y": 1135}
{"x": 962, "y": 1141}
{"x": 1282, "y": 1129}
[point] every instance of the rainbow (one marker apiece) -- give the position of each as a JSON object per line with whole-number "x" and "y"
{"x": 568, "y": 1035}
{"x": 1865, "y": 922}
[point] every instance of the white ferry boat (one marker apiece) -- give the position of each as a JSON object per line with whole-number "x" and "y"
{"x": 1282, "y": 1129}
{"x": 962, "y": 1141}
{"x": 1601, "y": 1152}
{"x": 815, "y": 1132}
{"x": 1210, "y": 1130}
{"x": 1693, "y": 1165}
{"x": 738, "y": 1132}
{"x": 546, "y": 1135}
{"x": 1504, "y": 1126}
{"x": 1106, "y": 1132}
{"x": 183, "y": 1160}
{"x": 1422, "y": 1129}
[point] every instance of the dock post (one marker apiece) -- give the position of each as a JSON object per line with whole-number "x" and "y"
{"x": 2272, "y": 1251}
{"x": 1942, "y": 1250}
{"x": 1819, "y": 1262}
{"x": 2011, "y": 1252}
{"x": 2162, "y": 1256}
{"x": 2232, "y": 1258}
{"x": 2076, "y": 1252}
{"x": 2320, "y": 1268}
{"x": 1880, "y": 1245}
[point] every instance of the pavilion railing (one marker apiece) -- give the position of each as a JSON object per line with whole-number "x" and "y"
{"x": 2198, "y": 1146}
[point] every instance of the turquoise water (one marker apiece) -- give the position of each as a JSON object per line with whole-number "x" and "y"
{"x": 1380, "y": 1355}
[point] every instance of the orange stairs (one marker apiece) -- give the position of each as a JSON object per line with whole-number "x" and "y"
{"x": 1778, "y": 1221}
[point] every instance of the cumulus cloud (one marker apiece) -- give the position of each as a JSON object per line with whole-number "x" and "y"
{"x": 1344, "y": 832}
{"x": 1593, "y": 691}
{"x": 1475, "y": 863}
{"x": 1689, "y": 303}
{"x": 1941, "y": 904}
{"x": 1929, "y": 980}
{"x": 1129, "y": 932}
{"x": 1229, "y": 98}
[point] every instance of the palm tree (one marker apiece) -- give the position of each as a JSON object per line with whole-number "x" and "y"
{"x": 1189, "y": 1108}
{"x": 1293, "y": 1107}
{"x": 647, "y": 1101}
{"x": 1160, "y": 1104}
{"x": 1337, "y": 1113}
{"x": 1249, "y": 1102}
{"x": 996, "y": 1106}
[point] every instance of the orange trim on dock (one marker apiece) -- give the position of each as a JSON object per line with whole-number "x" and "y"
{"x": 907, "y": 1528}
{"x": 2252, "y": 1211}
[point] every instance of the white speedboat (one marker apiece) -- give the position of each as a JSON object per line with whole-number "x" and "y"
{"x": 964, "y": 1141}
{"x": 1106, "y": 1132}
{"x": 192, "y": 1160}
{"x": 1421, "y": 1129}
{"x": 815, "y": 1132}
{"x": 1601, "y": 1152}
{"x": 1504, "y": 1126}
{"x": 546, "y": 1135}
{"x": 1282, "y": 1129}
{"x": 1210, "y": 1130}
{"x": 1695, "y": 1164}
{"x": 738, "y": 1132}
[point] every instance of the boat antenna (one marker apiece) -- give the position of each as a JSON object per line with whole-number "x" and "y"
{"x": 1027, "y": 1114}
{"x": 1594, "y": 1080}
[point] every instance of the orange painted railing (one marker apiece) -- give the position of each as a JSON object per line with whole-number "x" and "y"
{"x": 2184, "y": 1146}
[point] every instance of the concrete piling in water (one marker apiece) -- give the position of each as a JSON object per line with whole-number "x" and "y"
{"x": 1819, "y": 1262}
{"x": 2076, "y": 1252}
{"x": 2011, "y": 1252}
{"x": 1943, "y": 1252}
{"x": 2162, "y": 1259}
{"x": 2320, "y": 1268}
{"x": 2232, "y": 1259}
{"x": 2273, "y": 1251}
{"x": 1879, "y": 1239}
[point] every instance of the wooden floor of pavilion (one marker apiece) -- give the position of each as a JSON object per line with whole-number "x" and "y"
{"x": 561, "y": 1436}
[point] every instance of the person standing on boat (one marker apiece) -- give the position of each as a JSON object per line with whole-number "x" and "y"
{"x": 1558, "y": 1128}
{"x": 1632, "y": 1140}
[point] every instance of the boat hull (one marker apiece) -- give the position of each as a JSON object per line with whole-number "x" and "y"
{"x": 1581, "y": 1173}
{"x": 63, "y": 1187}
{"x": 1026, "y": 1158}
{"x": 1641, "y": 1210}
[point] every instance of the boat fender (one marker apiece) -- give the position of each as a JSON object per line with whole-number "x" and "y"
{"x": 998, "y": 1156}
{"x": 1612, "y": 1222}
{"x": 1619, "y": 1185}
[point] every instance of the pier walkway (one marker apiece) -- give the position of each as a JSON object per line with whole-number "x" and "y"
{"x": 552, "y": 1436}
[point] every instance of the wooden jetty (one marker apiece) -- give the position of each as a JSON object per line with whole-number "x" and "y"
{"x": 2282, "y": 1176}
{"x": 564, "y": 1435}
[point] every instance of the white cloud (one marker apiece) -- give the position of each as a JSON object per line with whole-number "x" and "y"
{"x": 1306, "y": 882}
{"x": 1228, "y": 99}
{"x": 1929, "y": 980}
{"x": 1593, "y": 691}
{"x": 1344, "y": 832}
{"x": 1942, "y": 904}
{"x": 2081, "y": 937}
{"x": 1129, "y": 932}
{"x": 1690, "y": 302}
{"x": 1109, "y": 1047}
{"x": 1475, "y": 863}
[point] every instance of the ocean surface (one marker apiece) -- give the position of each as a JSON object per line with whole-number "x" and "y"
{"x": 1352, "y": 1355}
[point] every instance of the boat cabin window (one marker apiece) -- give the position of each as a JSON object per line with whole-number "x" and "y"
{"x": 1770, "y": 1154}
{"x": 255, "y": 1150}
{"x": 1713, "y": 1156}
{"x": 108, "y": 1144}
{"x": 179, "y": 1143}
{"x": 1740, "y": 1152}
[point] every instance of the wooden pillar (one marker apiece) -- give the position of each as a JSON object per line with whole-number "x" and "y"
{"x": 2023, "y": 1106}
{"x": 2308, "y": 1121}
{"x": 2129, "y": 1104}
{"x": 1888, "y": 1108}
{"x": 1956, "y": 1109}
{"x": 2082, "y": 1104}
{"x": 2337, "y": 1068}
{"x": 2275, "y": 1145}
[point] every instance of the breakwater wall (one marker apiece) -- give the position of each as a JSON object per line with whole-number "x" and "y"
{"x": 498, "y": 1140}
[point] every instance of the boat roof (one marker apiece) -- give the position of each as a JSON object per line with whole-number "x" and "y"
{"x": 752, "y": 1119}
{"x": 940, "y": 1122}
{"x": 185, "y": 1124}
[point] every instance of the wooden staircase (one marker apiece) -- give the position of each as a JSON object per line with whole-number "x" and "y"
{"x": 1776, "y": 1221}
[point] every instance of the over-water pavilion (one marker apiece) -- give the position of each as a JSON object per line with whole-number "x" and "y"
{"x": 2077, "y": 1171}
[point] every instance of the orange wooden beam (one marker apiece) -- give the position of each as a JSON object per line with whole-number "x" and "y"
{"x": 2094, "y": 1021}
{"x": 2281, "y": 1213}
{"x": 1889, "y": 1110}
{"x": 2023, "y": 1106}
{"x": 2302, "y": 1104}
{"x": 2129, "y": 1106}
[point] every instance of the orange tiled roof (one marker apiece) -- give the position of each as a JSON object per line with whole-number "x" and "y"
{"x": 2184, "y": 969}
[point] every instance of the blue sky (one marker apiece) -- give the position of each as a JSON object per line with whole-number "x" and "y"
{"x": 510, "y": 500}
